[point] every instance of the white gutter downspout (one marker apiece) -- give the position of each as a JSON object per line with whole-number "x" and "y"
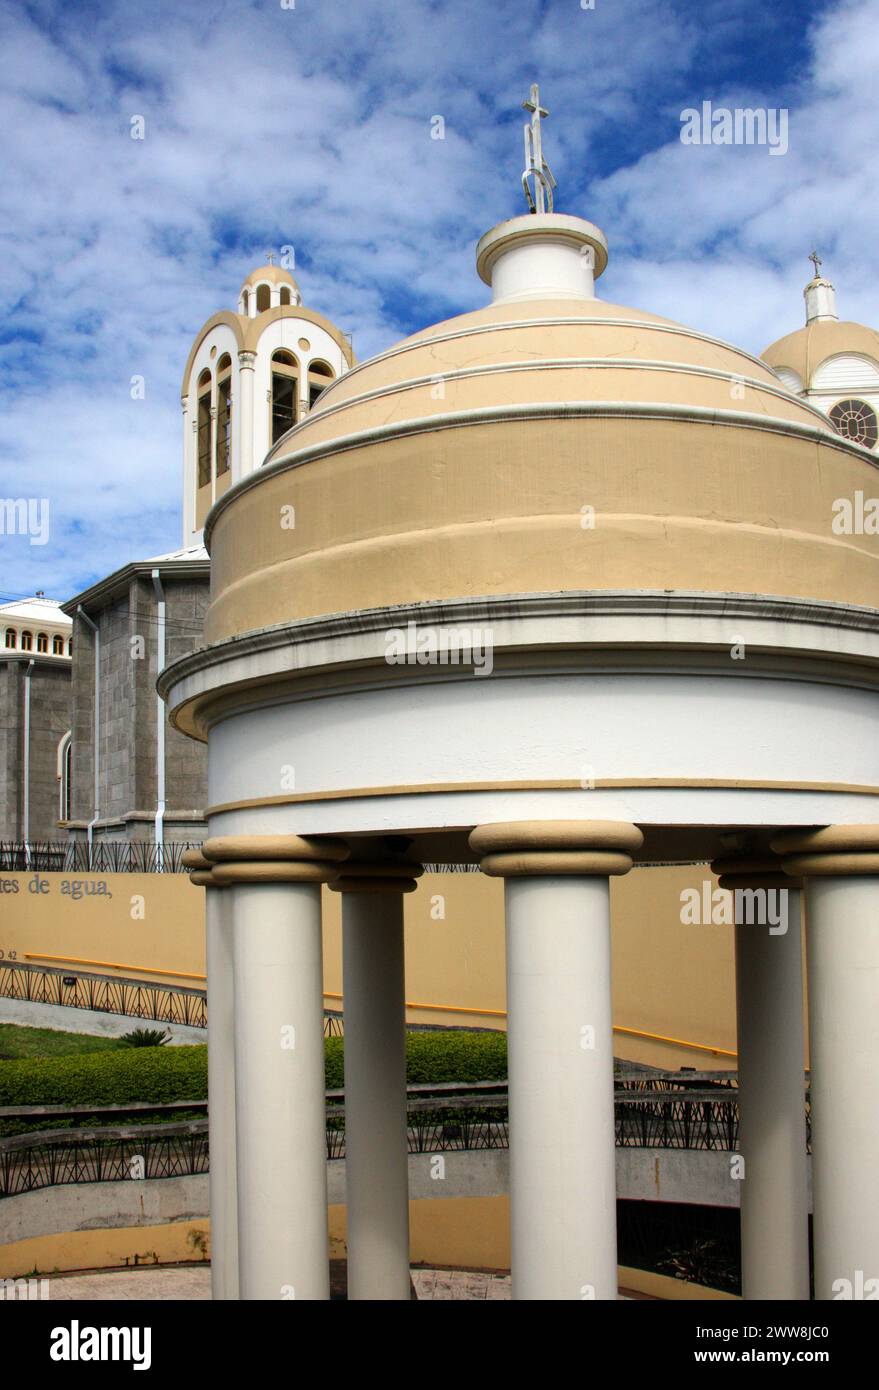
{"x": 160, "y": 725}
{"x": 26, "y": 800}
{"x": 90, "y": 829}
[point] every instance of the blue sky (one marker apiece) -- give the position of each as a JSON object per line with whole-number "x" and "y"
{"x": 310, "y": 126}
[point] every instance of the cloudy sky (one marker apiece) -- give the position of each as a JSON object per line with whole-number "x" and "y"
{"x": 308, "y": 124}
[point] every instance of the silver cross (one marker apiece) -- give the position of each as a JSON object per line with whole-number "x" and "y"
{"x": 536, "y": 166}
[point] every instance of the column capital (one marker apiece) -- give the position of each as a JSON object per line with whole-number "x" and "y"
{"x": 377, "y": 876}
{"x": 833, "y": 851}
{"x": 753, "y": 871}
{"x": 246, "y": 359}
{"x": 514, "y": 849}
{"x": 199, "y": 867}
{"x": 272, "y": 859}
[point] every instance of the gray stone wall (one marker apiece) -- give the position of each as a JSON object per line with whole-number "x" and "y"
{"x": 50, "y": 698}
{"x": 129, "y": 635}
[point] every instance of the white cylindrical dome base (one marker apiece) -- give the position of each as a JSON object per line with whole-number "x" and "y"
{"x": 542, "y": 256}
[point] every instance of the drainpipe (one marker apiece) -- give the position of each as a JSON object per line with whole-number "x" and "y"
{"x": 160, "y": 726}
{"x": 90, "y": 829}
{"x": 26, "y": 800}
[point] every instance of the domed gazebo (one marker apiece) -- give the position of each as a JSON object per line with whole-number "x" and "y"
{"x": 562, "y": 593}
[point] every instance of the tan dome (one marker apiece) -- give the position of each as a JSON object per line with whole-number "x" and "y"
{"x": 805, "y": 350}
{"x": 543, "y": 446}
{"x": 548, "y": 351}
{"x": 272, "y": 275}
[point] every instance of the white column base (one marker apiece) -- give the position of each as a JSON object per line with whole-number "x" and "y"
{"x": 843, "y": 943}
{"x": 560, "y": 1059}
{"x": 221, "y": 1094}
{"x": 375, "y": 1096}
{"x": 283, "y": 1243}
{"x": 772, "y": 1109}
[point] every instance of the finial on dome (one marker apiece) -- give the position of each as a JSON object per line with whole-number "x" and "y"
{"x": 536, "y": 167}
{"x": 819, "y": 294}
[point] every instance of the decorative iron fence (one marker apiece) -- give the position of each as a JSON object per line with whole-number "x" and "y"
{"x": 441, "y": 1118}
{"x": 117, "y": 994}
{"x": 101, "y": 857}
{"x": 41, "y": 984}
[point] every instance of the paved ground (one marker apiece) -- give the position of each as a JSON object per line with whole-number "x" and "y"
{"x": 178, "y": 1282}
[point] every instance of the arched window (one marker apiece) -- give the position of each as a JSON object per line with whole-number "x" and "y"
{"x": 43, "y": 643}
{"x": 57, "y": 646}
{"x": 856, "y": 420}
{"x": 245, "y": 301}
{"x": 70, "y": 646}
{"x": 320, "y": 374}
{"x": 285, "y": 294}
{"x": 63, "y": 769}
{"x": 263, "y": 298}
{"x": 224, "y": 414}
{"x": 284, "y": 394}
{"x": 10, "y": 637}
{"x": 27, "y": 641}
{"x": 204, "y": 429}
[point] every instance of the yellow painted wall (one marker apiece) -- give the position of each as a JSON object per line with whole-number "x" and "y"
{"x": 452, "y": 1233}
{"x": 670, "y": 980}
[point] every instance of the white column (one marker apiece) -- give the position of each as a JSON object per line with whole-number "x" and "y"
{"x": 246, "y": 363}
{"x": 560, "y": 1050}
{"x": 223, "y": 1187}
{"x": 376, "y": 1144}
{"x": 841, "y": 864}
{"x": 844, "y": 1029}
{"x": 774, "y": 1195}
{"x": 188, "y": 477}
{"x": 221, "y": 1094}
{"x": 283, "y": 1250}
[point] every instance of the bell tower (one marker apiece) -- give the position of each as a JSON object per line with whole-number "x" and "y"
{"x": 252, "y": 376}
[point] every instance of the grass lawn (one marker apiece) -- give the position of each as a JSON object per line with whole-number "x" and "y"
{"x": 16, "y": 1042}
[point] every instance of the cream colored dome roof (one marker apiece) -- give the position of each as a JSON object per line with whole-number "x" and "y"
{"x": 272, "y": 274}
{"x": 805, "y": 350}
{"x": 543, "y": 446}
{"x": 552, "y": 352}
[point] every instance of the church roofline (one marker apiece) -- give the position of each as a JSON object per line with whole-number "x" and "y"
{"x": 249, "y": 331}
{"x": 172, "y": 566}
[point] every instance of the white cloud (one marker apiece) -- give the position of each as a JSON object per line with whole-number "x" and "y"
{"x": 312, "y": 126}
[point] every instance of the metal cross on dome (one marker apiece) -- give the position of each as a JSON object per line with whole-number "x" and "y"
{"x": 536, "y": 167}
{"x": 816, "y": 261}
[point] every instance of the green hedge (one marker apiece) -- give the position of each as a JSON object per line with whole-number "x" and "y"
{"x": 432, "y": 1057}
{"x": 159, "y": 1074}
{"x": 164, "y": 1074}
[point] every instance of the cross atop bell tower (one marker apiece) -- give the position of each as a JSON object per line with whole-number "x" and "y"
{"x": 536, "y": 167}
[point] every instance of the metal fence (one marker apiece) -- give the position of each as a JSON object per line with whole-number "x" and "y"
{"x": 117, "y": 994}
{"x": 452, "y": 1117}
{"x": 41, "y": 984}
{"x": 100, "y": 857}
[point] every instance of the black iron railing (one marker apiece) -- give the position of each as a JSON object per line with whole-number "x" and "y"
{"x": 116, "y": 994}
{"x": 445, "y": 1118}
{"x": 101, "y": 857}
{"x": 42, "y": 984}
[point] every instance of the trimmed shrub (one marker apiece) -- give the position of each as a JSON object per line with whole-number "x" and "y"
{"x": 163, "y": 1074}
{"x": 159, "y": 1074}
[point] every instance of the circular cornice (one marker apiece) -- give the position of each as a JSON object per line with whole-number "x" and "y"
{"x": 538, "y": 634}
{"x": 548, "y": 227}
{"x": 537, "y": 410}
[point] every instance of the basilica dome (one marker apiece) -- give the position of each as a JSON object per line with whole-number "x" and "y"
{"x": 548, "y": 442}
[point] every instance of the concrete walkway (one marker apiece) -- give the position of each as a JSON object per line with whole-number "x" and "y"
{"x": 178, "y": 1282}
